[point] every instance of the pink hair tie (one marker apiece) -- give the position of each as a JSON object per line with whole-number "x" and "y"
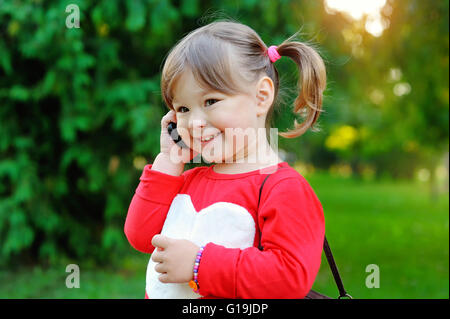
{"x": 273, "y": 53}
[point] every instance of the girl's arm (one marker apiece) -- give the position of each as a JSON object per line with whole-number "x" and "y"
{"x": 149, "y": 207}
{"x": 293, "y": 229}
{"x": 160, "y": 183}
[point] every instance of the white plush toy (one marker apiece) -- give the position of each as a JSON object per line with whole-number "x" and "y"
{"x": 222, "y": 223}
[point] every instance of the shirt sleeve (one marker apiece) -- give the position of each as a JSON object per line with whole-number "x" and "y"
{"x": 149, "y": 206}
{"x": 293, "y": 229}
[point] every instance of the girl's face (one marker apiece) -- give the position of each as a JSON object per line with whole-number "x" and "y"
{"x": 203, "y": 114}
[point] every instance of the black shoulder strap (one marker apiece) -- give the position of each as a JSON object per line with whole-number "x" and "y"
{"x": 326, "y": 248}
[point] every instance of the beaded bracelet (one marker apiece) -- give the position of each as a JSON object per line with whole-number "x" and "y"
{"x": 194, "y": 283}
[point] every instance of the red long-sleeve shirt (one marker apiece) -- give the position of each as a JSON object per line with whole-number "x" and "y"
{"x": 204, "y": 206}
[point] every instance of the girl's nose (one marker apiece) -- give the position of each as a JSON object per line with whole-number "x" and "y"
{"x": 196, "y": 126}
{"x": 197, "y": 123}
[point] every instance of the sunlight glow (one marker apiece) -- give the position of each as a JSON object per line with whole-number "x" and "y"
{"x": 357, "y": 9}
{"x": 402, "y": 88}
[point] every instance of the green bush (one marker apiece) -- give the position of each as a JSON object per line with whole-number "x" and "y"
{"x": 77, "y": 106}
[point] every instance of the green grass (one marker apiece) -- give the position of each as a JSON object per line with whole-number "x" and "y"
{"x": 394, "y": 225}
{"x": 117, "y": 281}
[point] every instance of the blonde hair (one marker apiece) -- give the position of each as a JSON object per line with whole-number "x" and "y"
{"x": 224, "y": 55}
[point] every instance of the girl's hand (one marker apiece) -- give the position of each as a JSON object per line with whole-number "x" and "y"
{"x": 168, "y": 146}
{"x": 175, "y": 258}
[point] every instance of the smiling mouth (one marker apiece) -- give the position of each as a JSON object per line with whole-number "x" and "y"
{"x": 204, "y": 141}
{"x": 209, "y": 138}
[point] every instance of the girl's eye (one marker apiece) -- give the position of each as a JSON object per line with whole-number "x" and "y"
{"x": 181, "y": 109}
{"x": 209, "y": 100}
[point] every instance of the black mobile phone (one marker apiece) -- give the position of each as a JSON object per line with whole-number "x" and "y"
{"x": 172, "y": 129}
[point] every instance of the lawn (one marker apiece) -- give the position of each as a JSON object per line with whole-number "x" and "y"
{"x": 392, "y": 224}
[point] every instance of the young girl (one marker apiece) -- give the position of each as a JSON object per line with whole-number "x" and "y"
{"x": 208, "y": 235}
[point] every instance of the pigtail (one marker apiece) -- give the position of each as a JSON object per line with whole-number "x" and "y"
{"x": 312, "y": 82}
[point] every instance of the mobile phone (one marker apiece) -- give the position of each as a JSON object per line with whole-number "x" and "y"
{"x": 172, "y": 129}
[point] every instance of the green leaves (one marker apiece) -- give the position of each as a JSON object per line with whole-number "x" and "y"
{"x": 136, "y": 15}
{"x": 162, "y": 16}
{"x": 5, "y": 58}
{"x": 190, "y": 8}
{"x": 19, "y": 93}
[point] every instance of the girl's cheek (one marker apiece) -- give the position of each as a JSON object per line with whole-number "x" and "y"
{"x": 183, "y": 131}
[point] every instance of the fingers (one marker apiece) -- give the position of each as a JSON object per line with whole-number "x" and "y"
{"x": 169, "y": 117}
{"x": 164, "y": 278}
{"x": 161, "y": 268}
{"x": 158, "y": 257}
{"x": 160, "y": 241}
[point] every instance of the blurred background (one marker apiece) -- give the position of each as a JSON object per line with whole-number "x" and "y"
{"x": 80, "y": 112}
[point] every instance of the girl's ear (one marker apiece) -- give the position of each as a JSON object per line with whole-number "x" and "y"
{"x": 264, "y": 95}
